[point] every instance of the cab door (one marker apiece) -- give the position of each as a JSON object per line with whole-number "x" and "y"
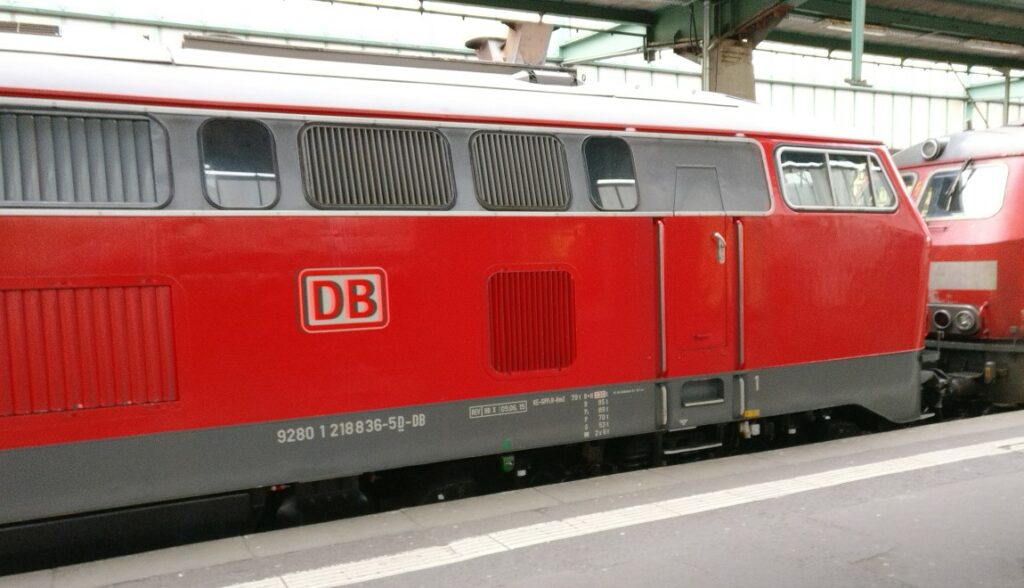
{"x": 695, "y": 247}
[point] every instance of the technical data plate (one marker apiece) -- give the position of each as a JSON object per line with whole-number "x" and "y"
{"x": 429, "y": 433}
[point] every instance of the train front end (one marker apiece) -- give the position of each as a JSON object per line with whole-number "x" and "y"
{"x": 970, "y": 189}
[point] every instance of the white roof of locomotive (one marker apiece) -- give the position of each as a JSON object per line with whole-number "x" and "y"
{"x": 154, "y": 74}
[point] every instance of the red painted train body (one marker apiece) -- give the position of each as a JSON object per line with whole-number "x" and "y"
{"x": 969, "y": 188}
{"x": 385, "y": 269}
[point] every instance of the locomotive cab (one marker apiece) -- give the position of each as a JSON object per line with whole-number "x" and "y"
{"x": 968, "y": 188}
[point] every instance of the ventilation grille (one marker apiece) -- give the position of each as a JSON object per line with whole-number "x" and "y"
{"x": 518, "y": 171}
{"x": 80, "y": 348}
{"x": 28, "y": 28}
{"x": 359, "y": 167}
{"x": 76, "y": 160}
{"x": 533, "y": 324}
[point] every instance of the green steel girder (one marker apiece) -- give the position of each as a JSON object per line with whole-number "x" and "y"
{"x": 570, "y": 8}
{"x": 621, "y": 40}
{"x": 907, "y": 19}
{"x": 996, "y": 91}
{"x": 669, "y": 26}
{"x": 1016, "y": 4}
{"x": 904, "y": 51}
{"x": 729, "y": 18}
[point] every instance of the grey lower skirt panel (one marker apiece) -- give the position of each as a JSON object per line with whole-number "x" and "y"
{"x": 56, "y": 480}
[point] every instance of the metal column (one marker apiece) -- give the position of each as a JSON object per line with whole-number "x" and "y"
{"x": 705, "y": 60}
{"x": 857, "y": 42}
{"x": 1006, "y": 97}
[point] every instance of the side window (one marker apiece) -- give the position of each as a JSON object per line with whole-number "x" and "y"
{"x": 805, "y": 180}
{"x": 851, "y": 184}
{"x": 909, "y": 180}
{"x": 838, "y": 180}
{"x": 852, "y": 181}
{"x": 74, "y": 160}
{"x": 885, "y": 195}
{"x": 239, "y": 170}
{"x": 936, "y": 190}
{"x": 610, "y": 173}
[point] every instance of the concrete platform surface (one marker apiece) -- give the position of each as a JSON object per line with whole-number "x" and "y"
{"x": 939, "y": 505}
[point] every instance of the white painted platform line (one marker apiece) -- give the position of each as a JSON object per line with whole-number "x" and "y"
{"x": 511, "y": 539}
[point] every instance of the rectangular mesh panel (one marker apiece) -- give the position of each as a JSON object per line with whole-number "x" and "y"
{"x": 66, "y": 349}
{"x": 533, "y": 322}
{"x": 28, "y": 28}
{"x": 362, "y": 167}
{"x": 520, "y": 171}
{"x": 77, "y": 161}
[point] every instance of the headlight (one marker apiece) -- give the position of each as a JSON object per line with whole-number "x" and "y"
{"x": 932, "y": 148}
{"x": 965, "y": 321}
{"x": 941, "y": 319}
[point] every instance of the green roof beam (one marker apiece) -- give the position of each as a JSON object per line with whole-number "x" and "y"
{"x": 900, "y": 51}
{"x": 992, "y": 91}
{"x": 622, "y": 40}
{"x": 568, "y": 8}
{"x": 730, "y": 18}
{"x": 903, "y": 19}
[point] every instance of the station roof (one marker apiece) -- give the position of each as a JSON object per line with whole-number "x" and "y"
{"x": 972, "y": 32}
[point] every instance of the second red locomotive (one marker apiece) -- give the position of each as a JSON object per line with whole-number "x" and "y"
{"x": 969, "y": 188}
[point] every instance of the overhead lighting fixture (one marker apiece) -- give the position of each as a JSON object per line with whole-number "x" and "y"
{"x": 801, "y": 19}
{"x": 403, "y": 4}
{"x": 941, "y": 39}
{"x": 902, "y": 33}
{"x": 573, "y": 22}
{"x": 869, "y": 30}
{"x": 993, "y": 47}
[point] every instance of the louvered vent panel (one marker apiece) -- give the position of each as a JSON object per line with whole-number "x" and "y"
{"x": 71, "y": 349}
{"x": 29, "y": 28}
{"x": 77, "y": 160}
{"x": 533, "y": 324}
{"x": 361, "y": 167}
{"x": 519, "y": 171}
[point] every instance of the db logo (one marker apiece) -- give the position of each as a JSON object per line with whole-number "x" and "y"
{"x": 343, "y": 299}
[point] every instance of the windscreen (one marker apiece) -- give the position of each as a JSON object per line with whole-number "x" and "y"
{"x": 974, "y": 192}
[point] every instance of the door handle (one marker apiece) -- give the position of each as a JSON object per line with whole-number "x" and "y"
{"x": 719, "y": 247}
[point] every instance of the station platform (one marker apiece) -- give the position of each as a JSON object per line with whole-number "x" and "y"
{"x": 937, "y": 505}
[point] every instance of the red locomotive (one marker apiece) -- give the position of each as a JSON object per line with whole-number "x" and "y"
{"x": 968, "y": 188}
{"x": 221, "y": 280}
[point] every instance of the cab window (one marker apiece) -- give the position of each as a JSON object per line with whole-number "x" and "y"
{"x": 973, "y": 192}
{"x": 825, "y": 179}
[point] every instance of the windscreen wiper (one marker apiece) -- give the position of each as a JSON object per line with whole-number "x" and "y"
{"x": 955, "y": 187}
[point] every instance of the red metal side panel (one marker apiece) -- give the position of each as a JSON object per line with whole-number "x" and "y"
{"x": 533, "y": 321}
{"x": 828, "y": 285}
{"x": 68, "y": 349}
{"x": 241, "y": 353}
